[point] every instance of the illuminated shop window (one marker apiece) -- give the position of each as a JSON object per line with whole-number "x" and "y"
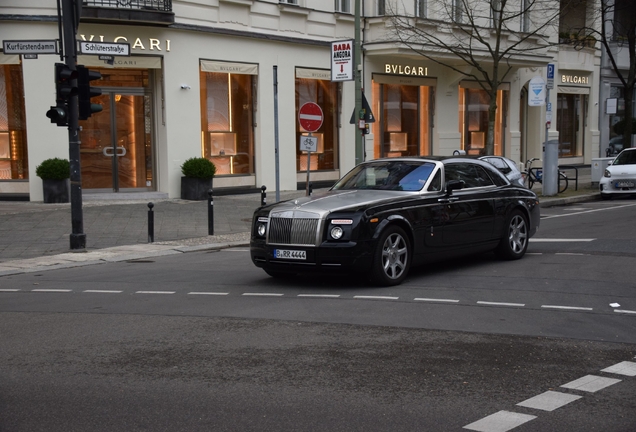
{"x": 311, "y": 87}
{"x": 227, "y": 132}
{"x": 13, "y": 143}
{"x": 403, "y": 127}
{"x": 473, "y": 120}
{"x": 570, "y": 124}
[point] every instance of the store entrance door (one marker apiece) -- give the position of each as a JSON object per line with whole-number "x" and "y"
{"x": 116, "y": 144}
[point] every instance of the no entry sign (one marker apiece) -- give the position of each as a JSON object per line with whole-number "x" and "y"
{"x": 310, "y": 117}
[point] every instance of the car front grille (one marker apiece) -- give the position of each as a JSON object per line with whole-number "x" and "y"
{"x": 293, "y": 231}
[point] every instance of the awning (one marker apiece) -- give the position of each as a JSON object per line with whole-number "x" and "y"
{"x": 228, "y": 67}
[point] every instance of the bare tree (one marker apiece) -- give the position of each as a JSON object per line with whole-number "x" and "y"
{"x": 483, "y": 40}
{"x": 617, "y": 31}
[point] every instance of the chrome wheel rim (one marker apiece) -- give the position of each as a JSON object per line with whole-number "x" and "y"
{"x": 394, "y": 256}
{"x": 518, "y": 234}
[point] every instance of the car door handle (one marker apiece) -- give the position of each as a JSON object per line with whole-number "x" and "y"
{"x": 447, "y": 200}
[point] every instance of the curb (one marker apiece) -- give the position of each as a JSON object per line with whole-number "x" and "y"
{"x": 554, "y": 202}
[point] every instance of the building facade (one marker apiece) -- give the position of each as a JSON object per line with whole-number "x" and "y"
{"x": 224, "y": 79}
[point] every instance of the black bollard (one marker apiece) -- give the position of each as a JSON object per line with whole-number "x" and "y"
{"x": 151, "y": 223}
{"x": 311, "y": 188}
{"x": 210, "y": 213}
{"x": 263, "y": 195}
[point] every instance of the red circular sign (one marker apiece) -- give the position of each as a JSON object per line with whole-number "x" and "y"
{"x": 310, "y": 117}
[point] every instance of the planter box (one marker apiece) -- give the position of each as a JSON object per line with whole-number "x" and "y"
{"x": 56, "y": 191}
{"x": 195, "y": 189}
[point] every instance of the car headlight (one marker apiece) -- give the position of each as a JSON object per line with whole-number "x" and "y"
{"x": 340, "y": 229}
{"x": 607, "y": 173}
{"x": 261, "y": 226}
{"x": 336, "y": 233}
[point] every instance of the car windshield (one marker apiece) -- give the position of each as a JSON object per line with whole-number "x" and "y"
{"x": 626, "y": 158}
{"x": 387, "y": 175}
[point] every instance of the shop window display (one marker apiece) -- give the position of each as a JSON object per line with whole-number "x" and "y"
{"x": 324, "y": 94}
{"x": 13, "y": 144}
{"x": 226, "y": 121}
{"x": 473, "y": 120}
{"x": 404, "y": 126}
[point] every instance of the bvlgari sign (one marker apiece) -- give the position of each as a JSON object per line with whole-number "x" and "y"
{"x": 405, "y": 70}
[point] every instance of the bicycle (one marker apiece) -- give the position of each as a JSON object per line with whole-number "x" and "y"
{"x": 535, "y": 175}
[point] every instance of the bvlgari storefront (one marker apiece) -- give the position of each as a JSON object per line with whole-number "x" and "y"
{"x": 425, "y": 110}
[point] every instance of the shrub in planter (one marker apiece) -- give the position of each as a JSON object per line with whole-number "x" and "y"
{"x": 55, "y": 175}
{"x": 197, "y": 178}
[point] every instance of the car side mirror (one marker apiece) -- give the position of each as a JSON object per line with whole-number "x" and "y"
{"x": 452, "y": 185}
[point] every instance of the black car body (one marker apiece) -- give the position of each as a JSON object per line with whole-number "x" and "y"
{"x": 388, "y": 214}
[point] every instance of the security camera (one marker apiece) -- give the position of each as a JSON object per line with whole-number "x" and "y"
{"x": 185, "y": 87}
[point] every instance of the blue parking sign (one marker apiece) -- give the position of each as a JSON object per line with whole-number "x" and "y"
{"x": 550, "y": 70}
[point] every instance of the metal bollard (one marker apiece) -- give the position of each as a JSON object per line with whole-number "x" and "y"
{"x": 151, "y": 223}
{"x": 210, "y": 213}
{"x": 311, "y": 188}
{"x": 263, "y": 195}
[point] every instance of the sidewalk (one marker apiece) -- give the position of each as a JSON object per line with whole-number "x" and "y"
{"x": 35, "y": 236}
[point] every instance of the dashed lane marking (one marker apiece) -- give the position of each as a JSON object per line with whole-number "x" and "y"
{"x": 625, "y": 311}
{"x": 103, "y": 291}
{"x": 623, "y": 368}
{"x": 208, "y": 293}
{"x": 588, "y": 211}
{"x": 361, "y": 297}
{"x": 52, "y": 290}
{"x": 591, "y": 383}
{"x": 155, "y": 292}
{"x": 559, "y": 240}
{"x": 549, "y": 401}
{"x": 9, "y": 290}
{"x": 487, "y": 303}
{"x": 566, "y": 307}
{"x": 263, "y": 294}
{"x": 436, "y": 300}
{"x": 319, "y": 295}
{"x": 501, "y": 421}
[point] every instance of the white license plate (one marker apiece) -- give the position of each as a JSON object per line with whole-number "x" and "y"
{"x": 290, "y": 254}
{"x": 624, "y": 184}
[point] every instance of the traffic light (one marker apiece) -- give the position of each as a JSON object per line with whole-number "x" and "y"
{"x": 65, "y": 87}
{"x": 86, "y": 92}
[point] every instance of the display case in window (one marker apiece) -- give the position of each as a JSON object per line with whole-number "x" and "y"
{"x": 397, "y": 141}
{"x": 222, "y": 143}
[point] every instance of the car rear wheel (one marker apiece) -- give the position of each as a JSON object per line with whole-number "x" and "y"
{"x": 392, "y": 257}
{"x": 514, "y": 243}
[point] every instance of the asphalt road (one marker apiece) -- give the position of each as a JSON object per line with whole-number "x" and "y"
{"x": 206, "y": 341}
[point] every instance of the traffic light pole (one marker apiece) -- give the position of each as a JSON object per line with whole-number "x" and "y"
{"x": 70, "y": 19}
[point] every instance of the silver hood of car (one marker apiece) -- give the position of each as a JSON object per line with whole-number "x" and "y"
{"x": 324, "y": 203}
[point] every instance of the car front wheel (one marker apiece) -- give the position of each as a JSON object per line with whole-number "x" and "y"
{"x": 392, "y": 257}
{"x": 514, "y": 243}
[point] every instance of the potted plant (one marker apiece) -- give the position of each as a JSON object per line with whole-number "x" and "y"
{"x": 197, "y": 178}
{"x": 55, "y": 174}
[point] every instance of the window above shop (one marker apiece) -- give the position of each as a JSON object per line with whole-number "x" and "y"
{"x": 158, "y": 12}
{"x": 343, "y": 6}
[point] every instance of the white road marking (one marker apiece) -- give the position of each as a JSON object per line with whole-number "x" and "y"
{"x": 591, "y": 383}
{"x": 534, "y": 253}
{"x": 376, "y": 298}
{"x": 570, "y": 253}
{"x": 208, "y": 293}
{"x": 566, "y": 307}
{"x": 155, "y": 292}
{"x": 559, "y": 240}
{"x": 549, "y": 401}
{"x": 501, "y": 421}
{"x": 263, "y": 294}
{"x": 624, "y": 311}
{"x": 320, "y": 295}
{"x": 9, "y": 289}
{"x": 588, "y": 211}
{"x": 500, "y": 304}
{"x": 437, "y": 300}
{"x": 103, "y": 291}
{"x": 52, "y": 290}
{"x": 623, "y": 368}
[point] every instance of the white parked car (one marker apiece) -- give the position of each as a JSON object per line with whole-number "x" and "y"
{"x": 620, "y": 176}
